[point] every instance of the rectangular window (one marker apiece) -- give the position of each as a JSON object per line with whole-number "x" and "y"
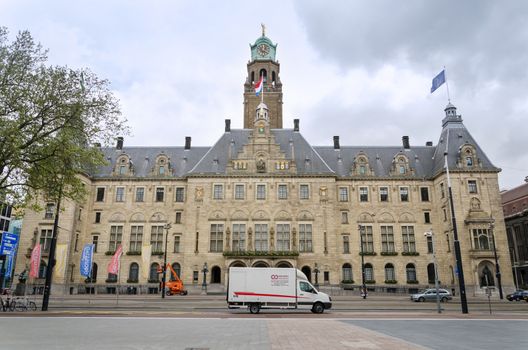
{"x": 218, "y": 192}
{"x": 156, "y": 238}
{"x": 122, "y": 170}
{"x": 430, "y": 249}
{"x": 136, "y": 238}
{"x": 448, "y": 243}
{"x": 369, "y": 273}
{"x": 239, "y": 237}
{"x": 195, "y": 276}
{"x": 178, "y": 219}
{"x": 384, "y": 194}
{"x": 116, "y": 237}
{"x": 100, "y": 194}
{"x": 45, "y": 240}
{"x": 261, "y": 237}
{"x": 120, "y": 194}
{"x": 160, "y": 193}
{"x": 367, "y": 239}
{"x": 97, "y": 217}
{"x": 387, "y": 239}
{"x": 177, "y": 244}
{"x": 427, "y": 217}
{"x": 344, "y": 217}
{"x": 76, "y": 242}
{"x": 472, "y": 186}
{"x": 404, "y": 194}
{"x": 343, "y": 194}
{"x": 424, "y": 194}
{"x": 305, "y": 237}
{"x": 346, "y": 244}
{"x": 180, "y": 194}
{"x": 304, "y": 192}
{"x": 161, "y": 170}
{"x": 409, "y": 245}
{"x": 140, "y": 194}
{"x": 283, "y": 237}
{"x": 216, "y": 242}
{"x": 239, "y": 191}
{"x": 283, "y": 191}
{"x": 50, "y": 211}
{"x": 445, "y": 214}
{"x": 482, "y": 239}
{"x": 261, "y": 191}
{"x": 326, "y": 277}
{"x": 363, "y": 194}
{"x": 95, "y": 242}
{"x": 442, "y": 192}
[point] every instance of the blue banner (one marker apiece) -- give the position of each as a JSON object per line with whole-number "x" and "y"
{"x": 86, "y": 260}
{"x": 438, "y": 81}
{"x": 9, "y": 243}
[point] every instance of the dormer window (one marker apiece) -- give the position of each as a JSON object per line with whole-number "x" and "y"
{"x": 469, "y": 161}
{"x": 362, "y": 170}
{"x": 162, "y": 166}
{"x": 400, "y": 166}
{"x": 361, "y": 165}
{"x": 123, "y": 166}
{"x": 402, "y": 169}
{"x": 162, "y": 170}
{"x": 467, "y": 156}
{"x": 122, "y": 170}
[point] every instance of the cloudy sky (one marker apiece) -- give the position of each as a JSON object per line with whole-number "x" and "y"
{"x": 358, "y": 69}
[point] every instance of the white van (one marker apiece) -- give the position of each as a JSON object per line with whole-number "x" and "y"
{"x": 273, "y": 288}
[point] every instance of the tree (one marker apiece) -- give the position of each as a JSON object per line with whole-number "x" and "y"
{"x": 51, "y": 118}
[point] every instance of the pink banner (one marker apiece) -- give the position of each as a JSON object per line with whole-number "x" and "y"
{"x": 113, "y": 267}
{"x": 34, "y": 263}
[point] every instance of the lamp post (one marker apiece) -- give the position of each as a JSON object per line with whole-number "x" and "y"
{"x": 204, "y": 283}
{"x": 316, "y": 271}
{"x": 363, "y": 286}
{"x": 430, "y": 234}
{"x": 167, "y": 227}
{"x": 497, "y": 268}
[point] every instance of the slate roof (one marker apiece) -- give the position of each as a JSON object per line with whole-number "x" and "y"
{"x": 426, "y": 161}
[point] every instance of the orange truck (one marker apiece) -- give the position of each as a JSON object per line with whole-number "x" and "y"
{"x": 174, "y": 285}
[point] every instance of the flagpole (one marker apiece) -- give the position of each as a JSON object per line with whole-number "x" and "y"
{"x": 262, "y": 93}
{"x": 447, "y": 86}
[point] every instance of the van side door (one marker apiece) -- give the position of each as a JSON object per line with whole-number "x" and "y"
{"x": 305, "y": 295}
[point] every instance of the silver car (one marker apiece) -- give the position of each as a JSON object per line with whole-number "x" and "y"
{"x": 430, "y": 294}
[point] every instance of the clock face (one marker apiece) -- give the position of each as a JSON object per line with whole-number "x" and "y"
{"x": 263, "y": 49}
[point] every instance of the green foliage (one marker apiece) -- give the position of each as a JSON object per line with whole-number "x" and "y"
{"x": 412, "y": 282}
{"x": 368, "y": 253}
{"x": 110, "y": 252}
{"x": 391, "y": 281}
{"x": 347, "y": 281}
{"x": 370, "y": 282}
{"x": 133, "y": 253}
{"x": 50, "y": 119}
{"x": 156, "y": 253}
{"x": 389, "y": 253}
{"x": 410, "y": 253}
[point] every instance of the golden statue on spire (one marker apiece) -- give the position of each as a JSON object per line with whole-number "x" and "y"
{"x": 263, "y": 29}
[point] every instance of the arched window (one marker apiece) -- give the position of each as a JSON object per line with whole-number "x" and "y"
{"x": 389, "y": 272}
{"x": 347, "y": 273}
{"x": 93, "y": 278}
{"x": 42, "y": 269}
{"x": 133, "y": 274}
{"x": 177, "y": 268}
{"x": 153, "y": 272}
{"x": 216, "y": 274}
{"x": 369, "y": 272}
{"x": 430, "y": 273}
{"x": 308, "y": 272}
{"x": 410, "y": 271}
{"x": 263, "y": 73}
{"x": 252, "y": 77}
{"x": 273, "y": 77}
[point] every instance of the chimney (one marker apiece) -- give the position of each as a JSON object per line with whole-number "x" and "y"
{"x": 228, "y": 125}
{"x": 119, "y": 145}
{"x": 187, "y": 142}
{"x": 296, "y": 125}
{"x": 429, "y": 143}
{"x": 405, "y": 140}
{"x": 336, "y": 142}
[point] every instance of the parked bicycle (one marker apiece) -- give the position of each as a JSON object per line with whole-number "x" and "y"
{"x": 24, "y": 304}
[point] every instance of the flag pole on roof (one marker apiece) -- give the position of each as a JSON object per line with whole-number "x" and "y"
{"x": 438, "y": 81}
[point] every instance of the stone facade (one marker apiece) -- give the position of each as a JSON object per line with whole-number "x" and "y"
{"x": 263, "y": 196}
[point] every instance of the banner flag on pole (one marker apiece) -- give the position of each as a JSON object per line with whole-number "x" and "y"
{"x": 113, "y": 267}
{"x": 34, "y": 263}
{"x": 259, "y": 86}
{"x": 438, "y": 80}
{"x": 86, "y": 260}
{"x": 60, "y": 260}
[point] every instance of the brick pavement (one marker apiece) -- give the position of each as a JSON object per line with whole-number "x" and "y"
{"x": 329, "y": 334}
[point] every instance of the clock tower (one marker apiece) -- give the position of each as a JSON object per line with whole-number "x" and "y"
{"x": 263, "y": 63}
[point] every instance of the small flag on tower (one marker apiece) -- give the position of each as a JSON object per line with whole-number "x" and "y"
{"x": 259, "y": 86}
{"x": 438, "y": 81}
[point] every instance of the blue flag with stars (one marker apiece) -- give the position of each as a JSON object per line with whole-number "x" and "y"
{"x": 438, "y": 81}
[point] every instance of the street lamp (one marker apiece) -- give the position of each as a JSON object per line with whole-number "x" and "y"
{"x": 316, "y": 271}
{"x": 167, "y": 227}
{"x": 204, "y": 283}
{"x": 363, "y": 286}
{"x": 497, "y": 268}
{"x": 430, "y": 234}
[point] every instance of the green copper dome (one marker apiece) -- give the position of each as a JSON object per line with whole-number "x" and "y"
{"x": 263, "y": 49}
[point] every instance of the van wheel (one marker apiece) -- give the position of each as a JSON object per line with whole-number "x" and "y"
{"x": 254, "y": 308}
{"x": 318, "y": 308}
